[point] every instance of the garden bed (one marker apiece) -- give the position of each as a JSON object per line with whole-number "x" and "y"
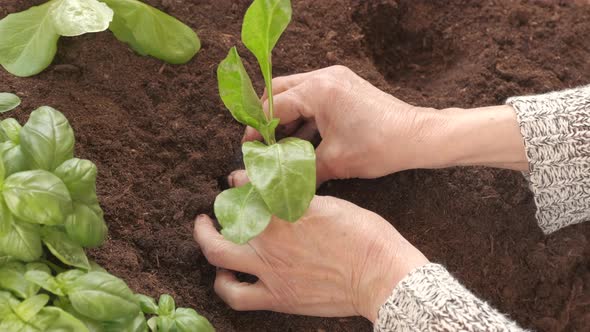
{"x": 163, "y": 142}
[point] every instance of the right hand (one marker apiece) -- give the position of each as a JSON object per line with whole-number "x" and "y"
{"x": 366, "y": 133}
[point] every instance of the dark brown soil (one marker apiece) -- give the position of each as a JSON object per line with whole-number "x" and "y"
{"x": 162, "y": 141}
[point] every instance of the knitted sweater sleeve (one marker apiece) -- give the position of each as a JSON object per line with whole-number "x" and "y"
{"x": 556, "y": 132}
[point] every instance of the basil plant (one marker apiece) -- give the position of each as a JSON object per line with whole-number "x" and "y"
{"x": 49, "y": 212}
{"x": 282, "y": 174}
{"x": 28, "y": 40}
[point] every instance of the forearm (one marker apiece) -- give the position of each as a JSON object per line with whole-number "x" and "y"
{"x": 487, "y": 136}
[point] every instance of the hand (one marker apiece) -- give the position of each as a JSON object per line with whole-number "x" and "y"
{"x": 338, "y": 260}
{"x": 367, "y": 133}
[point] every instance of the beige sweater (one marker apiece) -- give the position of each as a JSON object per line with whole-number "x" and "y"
{"x": 556, "y": 132}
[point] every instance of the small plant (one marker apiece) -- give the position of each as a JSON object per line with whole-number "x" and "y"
{"x": 8, "y": 102}
{"x": 282, "y": 174}
{"x": 48, "y": 199}
{"x": 28, "y": 40}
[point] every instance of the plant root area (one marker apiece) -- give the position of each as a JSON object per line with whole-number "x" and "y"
{"x": 163, "y": 143}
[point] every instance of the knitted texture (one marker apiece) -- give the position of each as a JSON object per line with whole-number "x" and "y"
{"x": 556, "y": 132}
{"x": 430, "y": 299}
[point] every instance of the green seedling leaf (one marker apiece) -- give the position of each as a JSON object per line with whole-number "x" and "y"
{"x": 188, "y": 320}
{"x": 28, "y": 41}
{"x": 85, "y": 227}
{"x": 30, "y": 307}
{"x": 242, "y": 213}
{"x": 137, "y": 324}
{"x": 45, "y": 280}
{"x": 77, "y": 17}
{"x": 53, "y": 319}
{"x": 22, "y": 242}
{"x": 9, "y": 130}
{"x": 148, "y": 304}
{"x": 6, "y": 218}
{"x": 12, "y": 278}
{"x": 8, "y": 101}
{"x": 264, "y": 22}
{"x": 283, "y": 174}
{"x": 166, "y": 305}
{"x": 7, "y": 302}
{"x": 47, "y": 139}
{"x": 63, "y": 248}
{"x": 14, "y": 158}
{"x": 238, "y": 95}
{"x": 66, "y": 279}
{"x": 79, "y": 175}
{"x": 103, "y": 297}
{"x": 150, "y": 31}
{"x": 37, "y": 197}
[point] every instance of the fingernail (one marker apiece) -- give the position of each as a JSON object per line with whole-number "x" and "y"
{"x": 201, "y": 217}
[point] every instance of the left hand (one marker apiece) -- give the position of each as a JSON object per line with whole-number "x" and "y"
{"x": 337, "y": 260}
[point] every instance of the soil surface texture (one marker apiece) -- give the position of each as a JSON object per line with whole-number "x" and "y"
{"x": 163, "y": 143}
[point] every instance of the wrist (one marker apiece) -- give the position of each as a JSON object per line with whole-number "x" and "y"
{"x": 385, "y": 274}
{"x": 487, "y": 136}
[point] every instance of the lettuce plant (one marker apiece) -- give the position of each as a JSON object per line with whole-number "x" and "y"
{"x": 49, "y": 213}
{"x": 282, "y": 174}
{"x": 28, "y": 40}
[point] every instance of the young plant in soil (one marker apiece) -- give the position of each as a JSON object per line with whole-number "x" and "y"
{"x": 28, "y": 40}
{"x": 49, "y": 212}
{"x": 282, "y": 174}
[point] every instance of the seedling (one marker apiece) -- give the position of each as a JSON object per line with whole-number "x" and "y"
{"x": 8, "y": 102}
{"x": 282, "y": 174}
{"x": 48, "y": 200}
{"x": 28, "y": 40}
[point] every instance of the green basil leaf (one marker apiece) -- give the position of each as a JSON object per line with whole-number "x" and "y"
{"x": 45, "y": 280}
{"x": 12, "y": 278}
{"x": 63, "y": 248}
{"x": 12, "y": 322}
{"x": 28, "y": 41}
{"x": 22, "y": 242}
{"x": 30, "y": 307}
{"x": 147, "y": 304}
{"x": 53, "y": 319}
{"x": 103, "y": 297}
{"x": 14, "y": 158}
{"x": 5, "y": 259}
{"x": 166, "y": 305}
{"x": 79, "y": 175}
{"x": 37, "y": 197}
{"x": 238, "y": 95}
{"x": 85, "y": 227}
{"x": 6, "y": 218}
{"x": 264, "y": 22}
{"x": 7, "y": 302}
{"x": 150, "y": 31}
{"x": 66, "y": 279}
{"x": 188, "y": 320}
{"x": 47, "y": 139}
{"x": 153, "y": 323}
{"x": 164, "y": 324}
{"x": 137, "y": 324}
{"x": 284, "y": 175}
{"x": 9, "y": 130}
{"x": 8, "y": 101}
{"x": 77, "y": 17}
{"x": 242, "y": 213}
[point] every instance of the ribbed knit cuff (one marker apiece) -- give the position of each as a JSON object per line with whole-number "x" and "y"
{"x": 430, "y": 299}
{"x": 556, "y": 132}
